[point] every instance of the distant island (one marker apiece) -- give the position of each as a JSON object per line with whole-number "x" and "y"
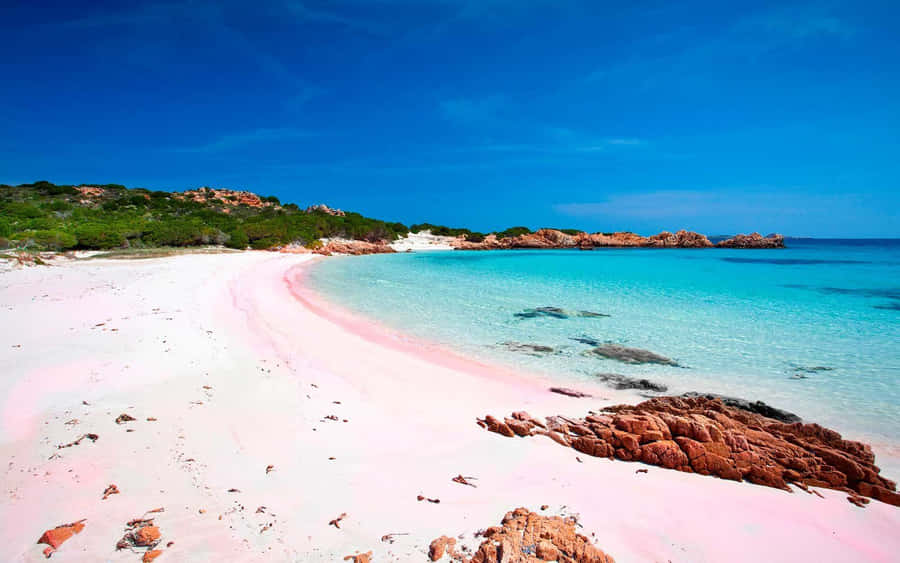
{"x": 43, "y": 216}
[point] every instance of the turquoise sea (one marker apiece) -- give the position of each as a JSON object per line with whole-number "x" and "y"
{"x": 813, "y": 328}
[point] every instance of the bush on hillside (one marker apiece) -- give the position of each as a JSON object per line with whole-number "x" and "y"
{"x": 98, "y": 237}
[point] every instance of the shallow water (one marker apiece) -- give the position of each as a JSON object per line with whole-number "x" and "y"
{"x": 813, "y": 329}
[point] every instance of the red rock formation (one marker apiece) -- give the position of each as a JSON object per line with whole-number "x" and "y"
{"x": 681, "y": 239}
{"x": 322, "y": 208}
{"x": 230, "y": 198}
{"x": 440, "y": 546}
{"x": 91, "y": 191}
{"x": 56, "y": 536}
{"x": 354, "y": 247}
{"x": 552, "y": 238}
{"x": 703, "y": 435}
{"x": 151, "y": 555}
{"x": 754, "y": 240}
{"x": 359, "y": 557}
{"x": 146, "y": 536}
{"x": 528, "y": 537}
{"x": 543, "y": 238}
{"x": 620, "y": 239}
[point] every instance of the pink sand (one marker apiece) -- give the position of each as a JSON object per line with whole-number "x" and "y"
{"x": 277, "y": 358}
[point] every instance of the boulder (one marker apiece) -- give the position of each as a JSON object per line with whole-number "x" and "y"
{"x": 702, "y": 434}
{"x": 528, "y": 537}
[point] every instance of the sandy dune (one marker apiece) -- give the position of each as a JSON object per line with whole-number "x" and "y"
{"x": 240, "y": 366}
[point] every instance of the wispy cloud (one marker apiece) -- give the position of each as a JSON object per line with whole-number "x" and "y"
{"x": 686, "y": 55}
{"x": 572, "y": 146}
{"x": 209, "y": 18}
{"x": 500, "y": 118}
{"x": 140, "y": 15}
{"x": 242, "y": 139}
{"x": 798, "y": 23}
{"x": 319, "y": 16}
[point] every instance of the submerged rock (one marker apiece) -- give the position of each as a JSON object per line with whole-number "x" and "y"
{"x": 630, "y": 355}
{"x": 592, "y": 315}
{"x": 704, "y": 435}
{"x": 569, "y": 392}
{"x": 622, "y": 382}
{"x": 757, "y": 407}
{"x": 557, "y": 313}
{"x": 530, "y": 349}
{"x": 554, "y": 312}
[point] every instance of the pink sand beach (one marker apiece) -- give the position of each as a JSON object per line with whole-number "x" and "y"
{"x": 242, "y": 367}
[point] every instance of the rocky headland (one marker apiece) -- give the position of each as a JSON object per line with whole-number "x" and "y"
{"x": 557, "y": 239}
{"x": 753, "y": 240}
{"x": 704, "y": 435}
{"x": 552, "y": 238}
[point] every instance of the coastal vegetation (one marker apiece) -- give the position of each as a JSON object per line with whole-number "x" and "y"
{"x": 46, "y": 216}
{"x": 43, "y": 216}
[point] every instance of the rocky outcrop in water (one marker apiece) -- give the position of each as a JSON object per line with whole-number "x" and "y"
{"x": 702, "y": 435}
{"x": 757, "y": 407}
{"x": 622, "y": 382}
{"x": 552, "y": 238}
{"x": 754, "y": 240}
{"x": 630, "y": 355}
{"x": 681, "y": 239}
{"x": 526, "y": 537}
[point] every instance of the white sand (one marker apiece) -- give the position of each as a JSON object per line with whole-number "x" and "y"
{"x": 276, "y": 363}
{"x": 422, "y": 240}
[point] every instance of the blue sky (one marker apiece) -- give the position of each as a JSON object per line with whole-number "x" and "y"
{"x": 715, "y": 116}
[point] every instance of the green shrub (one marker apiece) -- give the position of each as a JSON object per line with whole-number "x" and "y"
{"x": 238, "y": 239}
{"x": 98, "y": 237}
{"x": 514, "y": 232}
{"x": 47, "y": 240}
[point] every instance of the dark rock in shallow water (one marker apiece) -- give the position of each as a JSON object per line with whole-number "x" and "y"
{"x": 893, "y": 306}
{"x": 569, "y": 392}
{"x": 591, "y": 315}
{"x": 812, "y": 369}
{"x": 557, "y": 313}
{"x": 800, "y": 372}
{"x": 554, "y": 312}
{"x": 756, "y": 407}
{"x": 630, "y": 355}
{"x": 621, "y": 382}
{"x": 532, "y": 349}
